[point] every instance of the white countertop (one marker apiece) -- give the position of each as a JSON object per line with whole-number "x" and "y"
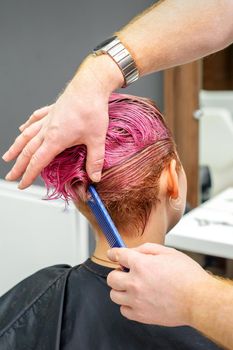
{"x": 208, "y": 229}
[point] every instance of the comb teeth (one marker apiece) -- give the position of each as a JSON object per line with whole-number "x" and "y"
{"x": 104, "y": 227}
{"x": 104, "y": 220}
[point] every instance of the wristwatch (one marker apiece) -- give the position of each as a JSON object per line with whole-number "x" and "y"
{"x": 117, "y": 51}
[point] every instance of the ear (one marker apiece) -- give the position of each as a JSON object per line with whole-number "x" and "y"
{"x": 172, "y": 180}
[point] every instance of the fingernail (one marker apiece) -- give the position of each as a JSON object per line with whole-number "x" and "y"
{"x": 20, "y": 186}
{"x": 21, "y": 127}
{"x": 96, "y": 176}
{"x": 4, "y": 157}
{"x": 8, "y": 176}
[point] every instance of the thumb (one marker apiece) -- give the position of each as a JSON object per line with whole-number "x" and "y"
{"x": 95, "y": 159}
{"x": 152, "y": 248}
{"x": 123, "y": 256}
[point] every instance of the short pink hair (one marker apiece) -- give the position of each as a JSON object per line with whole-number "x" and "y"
{"x": 138, "y": 147}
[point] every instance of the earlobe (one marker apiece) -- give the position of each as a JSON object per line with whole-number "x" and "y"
{"x": 175, "y": 203}
{"x": 173, "y": 180}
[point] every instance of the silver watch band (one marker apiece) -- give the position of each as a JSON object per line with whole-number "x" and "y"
{"x": 117, "y": 51}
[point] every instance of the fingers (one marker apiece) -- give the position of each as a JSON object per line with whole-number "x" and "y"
{"x": 118, "y": 297}
{"x": 129, "y": 257}
{"x": 21, "y": 141}
{"x": 124, "y": 256}
{"x": 95, "y": 159}
{"x": 36, "y": 115}
{"x": 24, "y": 158}
{"x": 117, "y": 280}
{"x": 40, "y": 159}
{"x": 127, "y": 312}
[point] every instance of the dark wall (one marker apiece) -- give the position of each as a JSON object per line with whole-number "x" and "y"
{"x": 42, "y": 44}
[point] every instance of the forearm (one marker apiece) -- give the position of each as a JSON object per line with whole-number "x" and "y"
{"x": 175, "y": 32}
{"x": 170, "y": 33}
{"x": 212, "y": 311}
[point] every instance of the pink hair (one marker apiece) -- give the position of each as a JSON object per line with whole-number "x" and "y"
{"x": 138, "y": 143}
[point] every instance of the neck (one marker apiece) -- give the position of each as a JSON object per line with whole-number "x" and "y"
{"x": 155, "y": 230}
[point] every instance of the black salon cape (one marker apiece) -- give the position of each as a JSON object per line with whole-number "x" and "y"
{"x": 68, "y": 308}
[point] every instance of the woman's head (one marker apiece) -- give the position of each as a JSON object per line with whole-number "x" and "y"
{"x": 139, "y": 149}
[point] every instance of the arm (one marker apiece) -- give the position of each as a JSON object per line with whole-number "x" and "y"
{"x": 212, "y": 311}
{"x": 168, "y": 288}
{"x": 174, "y": 32}
{"x": 170, "y": 33}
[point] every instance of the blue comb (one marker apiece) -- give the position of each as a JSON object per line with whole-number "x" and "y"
{"x": 104, "y": 219}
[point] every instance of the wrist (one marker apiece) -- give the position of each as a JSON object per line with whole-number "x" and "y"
{"x": 202, "y": 301}
{"x": 103, "y": 70}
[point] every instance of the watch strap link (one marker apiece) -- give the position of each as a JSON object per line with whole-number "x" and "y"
{"x": 117, "y": 51}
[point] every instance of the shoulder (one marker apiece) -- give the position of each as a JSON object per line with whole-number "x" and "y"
{"x": 45, "y": 283}
{"x": 39, "y": 280}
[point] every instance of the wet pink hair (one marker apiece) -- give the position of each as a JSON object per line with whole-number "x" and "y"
{"x": 139, "y": 146}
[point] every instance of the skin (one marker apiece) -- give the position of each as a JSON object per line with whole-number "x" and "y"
{"x": 170, "y": 33}
{"x": 67, "y": 123}
{"x": 168, "y": 288}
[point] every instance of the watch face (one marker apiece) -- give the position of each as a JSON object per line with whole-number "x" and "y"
{"x": 104, "y": 43}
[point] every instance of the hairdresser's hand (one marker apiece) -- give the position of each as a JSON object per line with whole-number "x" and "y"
{"x": 79, "y": 116}
{"x": 160, "y": 287}
{"x": 36, "y": 115}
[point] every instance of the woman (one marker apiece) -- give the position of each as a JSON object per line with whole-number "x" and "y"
{"x": 143, "y": 186}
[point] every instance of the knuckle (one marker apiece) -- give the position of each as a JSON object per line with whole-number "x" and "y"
{"x": 52, "y": 134}
{"x": 26, "y": 134}
{"x": 26, "y": 153}
{"x": 50, "y": 147}
{"x": 133, "y": 263}
{"x": 35, "y": 113}
{"x": 17, "y": 140}
{"x": 95, "y": 166}
{"x": 132, "y": 286}
{"x": 98, "y": 161}
{"x": 34, "y": 159}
